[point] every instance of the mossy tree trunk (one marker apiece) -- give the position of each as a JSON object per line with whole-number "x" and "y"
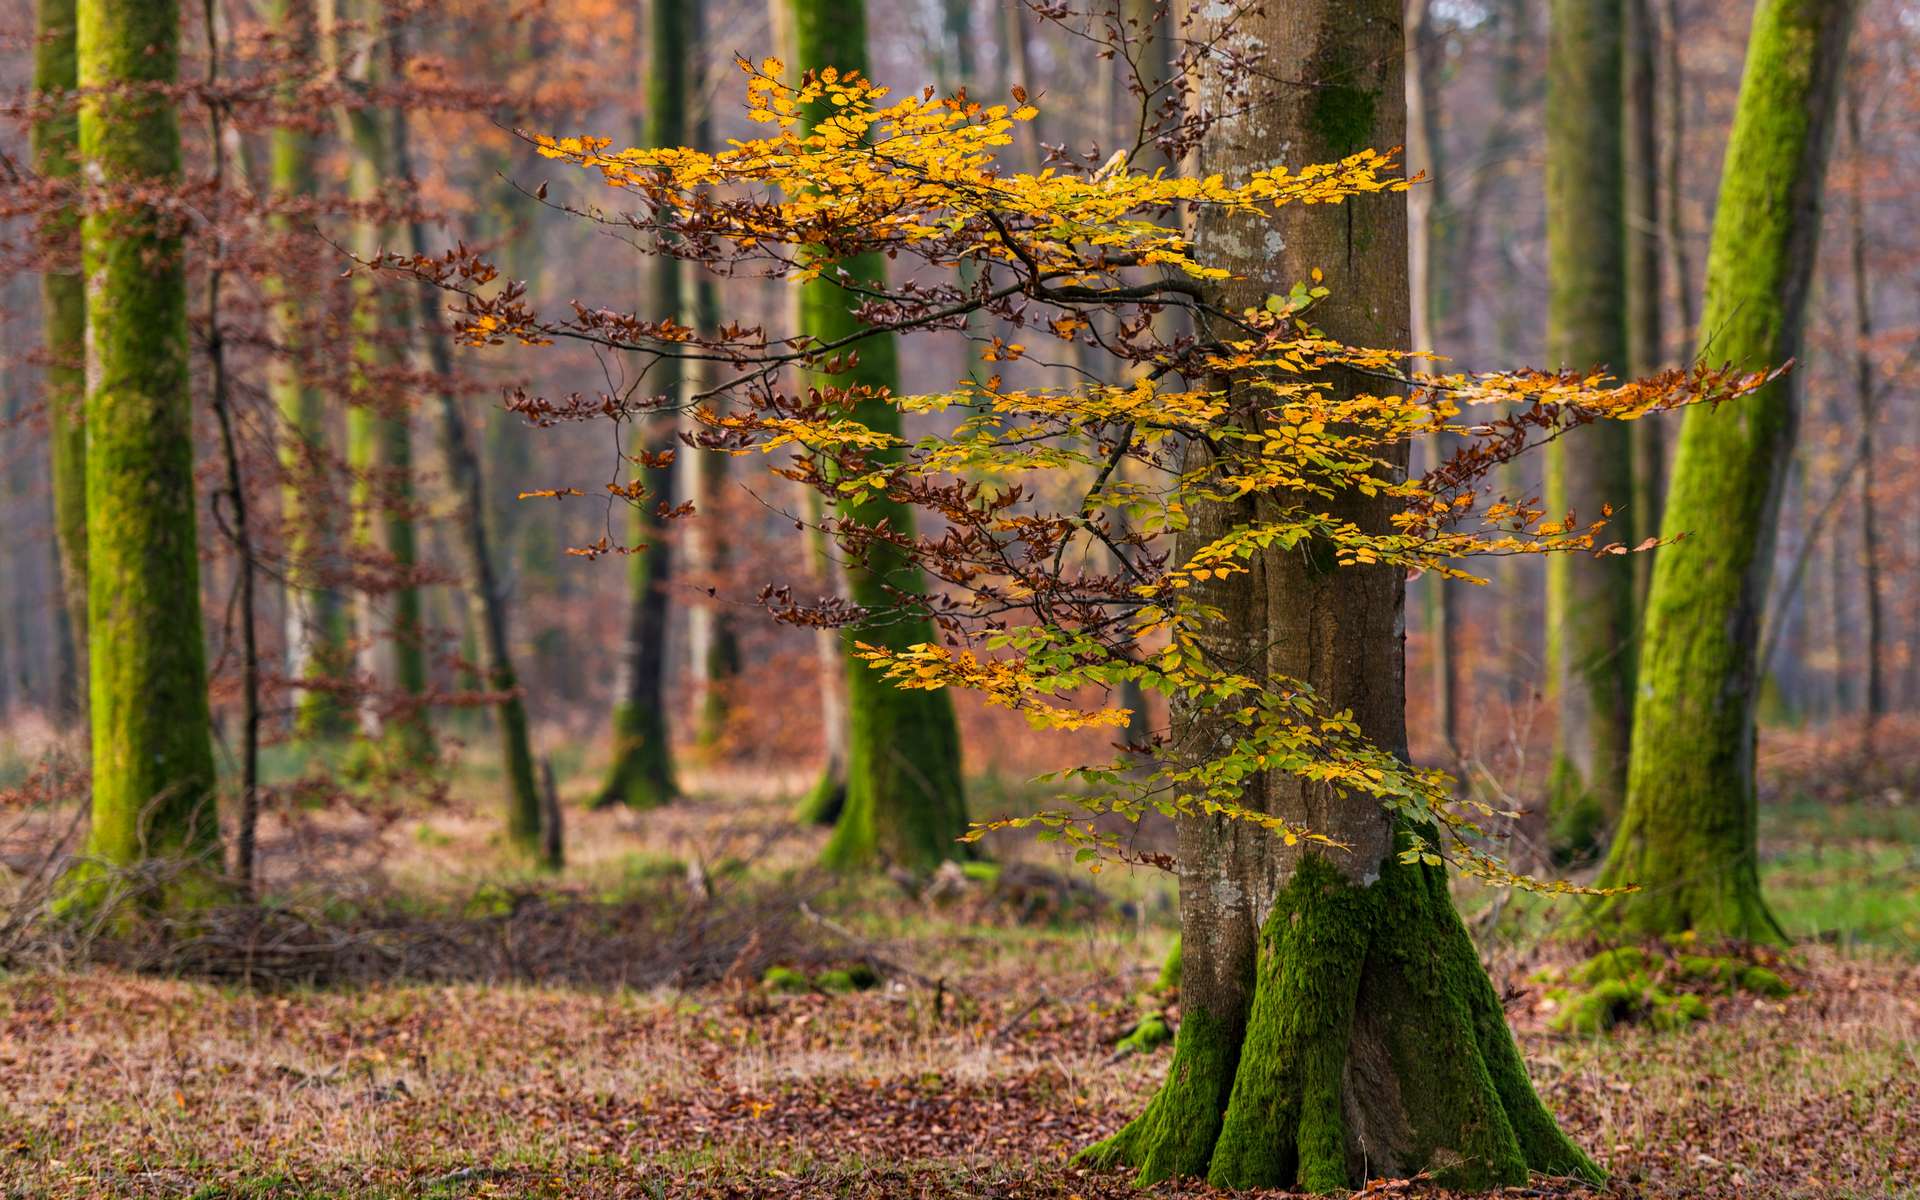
{"x": 63, "y": 315}
{"x": 1590, "y": 657}
{"x": 317, "y": 618}
{"x": 380, "y": 432}
{"x": 1337, "y": 1024}
{"x": 153, "y": 773}
{"x": 642, "y": 775}
{"x": 1689, "y": 834}
{"x": 905, "y": 801}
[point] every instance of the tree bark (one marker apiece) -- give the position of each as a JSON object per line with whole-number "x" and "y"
{"x": 906, "y": 801}
{"x": 380, "y": 438}
{"x": 527, "y": 816}
{"x": 153, "y": 772}
{"x": 1689, "y": 834}
{"x": 63, "y": 312}
{"x": 1336, "y": 1024}
{"x": 1646, "y": 327}
{"x": 642, "y": 774}
{"x": 1590, "y": 657}
{"x": 316, "y": 613}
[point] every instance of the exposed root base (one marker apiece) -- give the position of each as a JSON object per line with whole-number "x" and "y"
{"x": 1374, "y": 1047}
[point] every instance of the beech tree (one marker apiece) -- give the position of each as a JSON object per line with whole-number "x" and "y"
{"x": 641, "y": 774}
{"x": 1337, "y": 1022}
{"x": 153, "y": 773}
{"x": 318, "y": 621}
{"x": 905, "y": 798}
{"x": 63, "y": 306}
{"x": 1689, "y": 836}
{"x": 1590, "y": 615}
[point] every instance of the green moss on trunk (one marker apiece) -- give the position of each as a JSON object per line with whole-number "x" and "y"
{"x": 905, "y": 800}
{"x": 153, "y": 773}
{"x": 1689, "y": 834}
{"x": 642, "y": 773}
{"x": 1374, "y": 1045}
{"x": 318, "y": 629}
{"x": 1590, "y": 604}
{"x": 63, "y": 312}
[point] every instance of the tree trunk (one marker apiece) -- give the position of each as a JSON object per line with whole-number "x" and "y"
{"x": 641, "y": 775}
{"x": 1864, "y": 398}
{"x": 1590, "y": 657}
{"x": 1688, "y": 837}
{"x": 316, "y": 614}
{"x": 63, "y": 312}
{"x": 153, "y": 772}
{"x": 906, "y": 801}
{"x": 1429, "y": 222}
{"x": 1646, "y": 331}
{"x": 380, "y": 439}
{"x": 1337, "y": 1023}
{"x": 526, "y": 811}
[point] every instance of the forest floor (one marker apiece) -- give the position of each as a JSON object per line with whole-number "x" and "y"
{"x": 454, "y": 1027}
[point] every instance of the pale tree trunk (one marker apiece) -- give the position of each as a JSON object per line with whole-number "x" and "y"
{"x": 1337, "y": 1024}
{"x": 1689, "y": 836}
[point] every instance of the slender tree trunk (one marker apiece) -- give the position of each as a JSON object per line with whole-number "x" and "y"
{"x": 1337, "y": 1024}
{"x": 317, "y": 626}
{"x": 1865, "y": 417}
{"x": 380, "y": 444}
{"x": 1689, "y": 834}
{"x": 63, "y": 314}
{"x": 525, "y": 807}
{"x": 642, "y": 772}
{"x": 906, "y": 800}
{"x": 1673, "y": 175}
{"x": 153, "y": 773}
{"x": 1646, "y": 332}
{"x": 1590, "y": 656}
{"x": 1428, "y": 259}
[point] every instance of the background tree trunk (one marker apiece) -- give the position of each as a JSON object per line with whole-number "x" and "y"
{"x": 1590, "y": 657}
{"x": 1689, "y": 834}
{"x": 63, "y": 314}
{"x": 316, "y": 613}
{"x": 642, "y": 772}
{"x": 906, "y": 800}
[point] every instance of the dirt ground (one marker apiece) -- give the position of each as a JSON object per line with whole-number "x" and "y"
{"x": 610, "y": 1032}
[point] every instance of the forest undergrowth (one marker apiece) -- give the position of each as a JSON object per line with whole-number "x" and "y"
{"x": 682, "y": 1013}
